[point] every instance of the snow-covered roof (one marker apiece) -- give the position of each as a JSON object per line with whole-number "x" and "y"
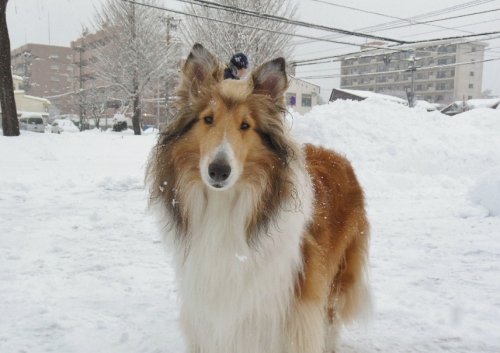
{"x": 32, "y": 97}
{"x": 302, "y": 80}
{"x": 31, "y": 114}
{"x": 483, "y": 103}
{"x": 461, "y": 106}
{"x": 369, "y": 94}
{"x": 426, "y": 105}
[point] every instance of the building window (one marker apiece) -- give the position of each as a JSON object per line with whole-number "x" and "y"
{"x": 443, "y": 86}
{"x": 471, "y": 73}
{"x": 471, "y": 85}
{"x": 473, "y": 49}
{"x": 306, "y": 100}
{"x": 469, "y": 97}
{"x": 291, "y": 99}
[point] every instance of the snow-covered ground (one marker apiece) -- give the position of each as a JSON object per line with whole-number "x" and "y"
{"x": 82, "y": 268}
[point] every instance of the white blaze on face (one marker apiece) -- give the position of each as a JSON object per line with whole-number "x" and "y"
{"x": 220, "y": 169}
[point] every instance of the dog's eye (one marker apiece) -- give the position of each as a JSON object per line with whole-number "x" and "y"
{"x": 244, "y": 126}
{"x": 208, "y": 120}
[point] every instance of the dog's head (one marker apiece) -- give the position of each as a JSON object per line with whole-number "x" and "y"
{"x": 229, "y": 131}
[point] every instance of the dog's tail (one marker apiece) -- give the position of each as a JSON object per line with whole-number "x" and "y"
{"x": 351, "y": 294}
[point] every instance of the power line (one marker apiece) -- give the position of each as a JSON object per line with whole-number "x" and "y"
{"x": 391, "y": 24}
{"x": 298, "y": 35}
{"x": 321, "y": 70}
{"x": 337, "y": 69}
{"x": 257, "y": 28}
{"x": 389, "y": 16}
{"x": 238, "y": 10}
{"x": 358, "y": 53}
{"x": 398, "y": 71}
{"x": 453, "y": 37}
{"x": 409, "y": 36}
{"x": 463, "y": 26}
{"x": 448, "y": 18}
{"x": 436, "y": 13}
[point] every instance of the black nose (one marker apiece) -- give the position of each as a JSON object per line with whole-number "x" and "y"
{"x": 219, "y": 170}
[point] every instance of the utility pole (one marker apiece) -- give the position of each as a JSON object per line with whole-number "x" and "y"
{"x": 81, "y": 50}
{"x": 171, "y": 24}
{"x": 411, "y": 93}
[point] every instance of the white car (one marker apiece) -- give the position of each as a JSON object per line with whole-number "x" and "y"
{"x": 63, "y": 125}
{"x": 31, "y": 122}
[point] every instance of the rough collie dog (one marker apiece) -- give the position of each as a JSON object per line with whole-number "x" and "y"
{"x": 269, "y": 238}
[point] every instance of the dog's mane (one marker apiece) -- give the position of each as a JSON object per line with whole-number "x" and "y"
{"x": 275, "y": 187}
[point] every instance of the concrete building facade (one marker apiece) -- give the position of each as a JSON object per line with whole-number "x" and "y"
{"x": 84, "y": 54}
{"x": 47, "y": 70}
{"x": 26, "y": 103}
{"x": 301, "y": 95}
{"x": 375, "y": 72}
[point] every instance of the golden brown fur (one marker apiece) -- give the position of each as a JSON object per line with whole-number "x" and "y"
{"x": 336, "y": 246}
{"x": 329, "y": 285}
{"x": 176, "y": 157}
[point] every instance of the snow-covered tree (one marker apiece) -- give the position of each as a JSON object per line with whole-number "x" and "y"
{"x": 94, "y": 101}
{"x": 135, "y": 51}
{"x": 225, "y": 39}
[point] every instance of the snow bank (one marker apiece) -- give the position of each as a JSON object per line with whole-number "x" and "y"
{"x": 393, "y": 137}
{"x": 80, "y": 256}
{"x": 486, "y": 191}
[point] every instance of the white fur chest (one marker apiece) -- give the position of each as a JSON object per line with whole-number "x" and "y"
{"x": 235, "y": 297}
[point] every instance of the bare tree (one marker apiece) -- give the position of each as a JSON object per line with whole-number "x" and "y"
{"x": 10, "y": 123}
{"x": 135, "y": 50}
{"x": 226, "y": 39}
{"x": 94, "y": 102}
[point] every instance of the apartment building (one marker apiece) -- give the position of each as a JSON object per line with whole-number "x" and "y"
{"x": 374, "y": 71}
{"x": 47, "y": 70}
{"x": 84, "y": 55}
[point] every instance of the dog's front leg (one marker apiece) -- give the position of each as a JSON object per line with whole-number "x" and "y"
{"x": 190, "y": 334}
{"x": 306, "y": 328}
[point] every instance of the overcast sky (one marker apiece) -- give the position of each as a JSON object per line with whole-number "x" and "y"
{"x": 58, "y": 22}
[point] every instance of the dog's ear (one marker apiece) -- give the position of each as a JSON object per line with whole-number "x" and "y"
{"x": 270, "y": 78}
{"x": 201, "y": 67}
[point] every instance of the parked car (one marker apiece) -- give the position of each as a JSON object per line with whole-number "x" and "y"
{"x": 63, "y": 125}
{"x": 120, "y": 126}
{"x": 121, "y": 122}
{"x": 31, "y": 122}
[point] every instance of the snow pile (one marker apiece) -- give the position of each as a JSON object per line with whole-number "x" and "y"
{"x": 378, "y": 96}
{"x": 395, "y": 138}
{"x": 486, "y": 192}
{"x": 80, "y": 256}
